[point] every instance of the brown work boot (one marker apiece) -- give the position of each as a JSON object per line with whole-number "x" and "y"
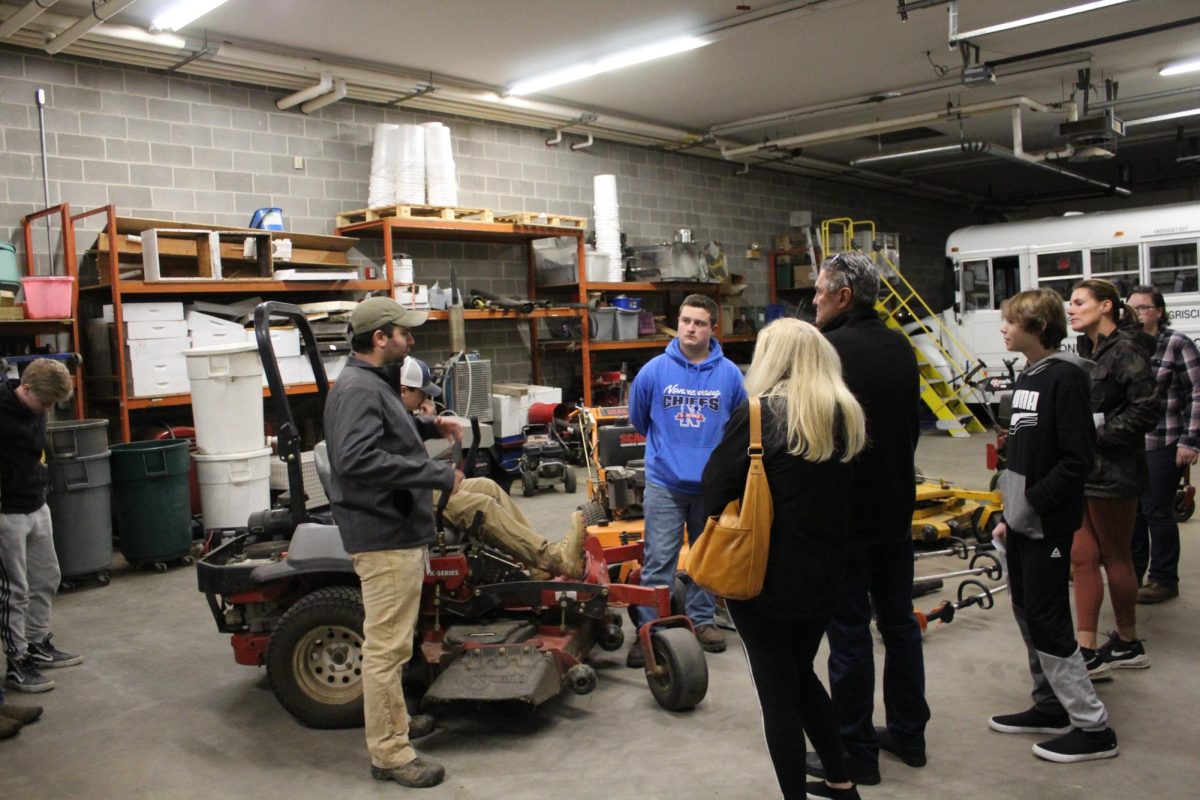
{"x": 9, "y": 728}
{"x": 1155, "y": 592}
{"x": 635, "y": 658}
{"x": 710, "y": 637}
{"x": 420, "y": 725}
{"x": 569, "y": 552}
{"x": 416, "y": 774}
{"x": 21, "y": 714}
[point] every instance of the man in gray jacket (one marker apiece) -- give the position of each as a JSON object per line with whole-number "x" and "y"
{"x": 382, "y": 494}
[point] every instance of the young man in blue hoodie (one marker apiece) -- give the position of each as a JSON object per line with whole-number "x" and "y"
{"x": 680, "y": 402}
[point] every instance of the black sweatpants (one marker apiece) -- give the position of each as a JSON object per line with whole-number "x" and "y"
{"x": 793, "y": 699}
{"x": 1038, "y": 571}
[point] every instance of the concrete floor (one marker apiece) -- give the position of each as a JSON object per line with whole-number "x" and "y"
{"x": 160, "y": 710}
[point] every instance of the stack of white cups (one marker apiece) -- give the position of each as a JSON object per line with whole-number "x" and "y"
{"x": 410, "y": 165}
{"x": 441, "y": 186}
{"x": 381, "y": 191}
{"x": 608, "y": 224}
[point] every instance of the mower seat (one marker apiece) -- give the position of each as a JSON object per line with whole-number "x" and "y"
{"x": 321, "y": 460}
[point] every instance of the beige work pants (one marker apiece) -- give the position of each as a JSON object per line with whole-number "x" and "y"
{"x": 504, "y": 526}
{"x": 391, "y": 593}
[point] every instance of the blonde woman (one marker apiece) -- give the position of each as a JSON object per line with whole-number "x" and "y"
{"x": 812, "y": 427}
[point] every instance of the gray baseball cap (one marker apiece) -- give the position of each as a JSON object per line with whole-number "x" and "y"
{"x": 375, "y": 312}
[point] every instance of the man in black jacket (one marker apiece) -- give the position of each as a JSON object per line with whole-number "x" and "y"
{"x": 1051, "y": 442}
{"x": 881, "y": 370}
{"x": 381, "y": 490}
{"x": 29, "y": 572}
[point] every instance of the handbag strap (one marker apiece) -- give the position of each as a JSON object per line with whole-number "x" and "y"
{"x": 755, "y": 449}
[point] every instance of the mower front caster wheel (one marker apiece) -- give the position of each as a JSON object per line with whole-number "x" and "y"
{"x": 529, "y": 484}
{"x": 612, "y": 637}
{"x": 581, "y": 678}
{"x": 569, "y": 480}
{"x": 680, "y": 680}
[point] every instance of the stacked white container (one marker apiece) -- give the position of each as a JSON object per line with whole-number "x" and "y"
{"x": 410, "y": 165}
{"x": 155, "y": 337}
{"x": 441, "y": 185}
{"x": 233, "y": 464}
{"x": 608, "y": 224}
{"x": 381, "y": 189}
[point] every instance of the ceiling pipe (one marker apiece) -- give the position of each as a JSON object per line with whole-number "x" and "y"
{"x": 323, "y": 86}
{"x": 1117, "y": 37}
{"x": 338, "y": 93}
{"x": 18, "y": 20}
{"x": 884, "y": 126}
{"x": 1009, "y": 155}
{"x": 1144, "y": 98}
{"x": 59, "y": 42}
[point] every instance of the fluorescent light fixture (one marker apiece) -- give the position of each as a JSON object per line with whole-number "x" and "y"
{"x": 182, "y": 13}
{"x": 140, "y": 36}
{"x": 925, "y": 151}
{"x": 627, "y": 58}
{"x": 1180, "y": 67}
{"x": 1034, "y": 20}
{"x": 1188, "y": 112}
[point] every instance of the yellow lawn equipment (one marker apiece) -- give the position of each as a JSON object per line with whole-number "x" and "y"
{"x": 944, "y": 510}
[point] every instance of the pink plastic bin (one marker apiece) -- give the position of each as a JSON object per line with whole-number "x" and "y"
{"x": 48, "y": 296}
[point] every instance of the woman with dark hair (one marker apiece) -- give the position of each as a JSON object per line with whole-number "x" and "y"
{"x": 812, "y": 427}
{"x": 1124, "y": 409}
{"x": 1170, "y": 447}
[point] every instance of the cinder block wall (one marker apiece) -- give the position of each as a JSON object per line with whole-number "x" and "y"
{"x": 176, "y": 147}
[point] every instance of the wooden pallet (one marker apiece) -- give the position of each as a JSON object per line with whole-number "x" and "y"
{"x": 413, "y": 211}
{"x": 538, "y": 218}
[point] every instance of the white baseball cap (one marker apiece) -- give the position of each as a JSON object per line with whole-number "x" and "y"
{"x": 415, "y": 374}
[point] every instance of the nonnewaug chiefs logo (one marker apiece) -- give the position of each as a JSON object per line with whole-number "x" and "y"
{"x": 691, "y": 404}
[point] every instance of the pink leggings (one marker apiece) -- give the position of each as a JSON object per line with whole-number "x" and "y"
{"x": 1104, "y": 539}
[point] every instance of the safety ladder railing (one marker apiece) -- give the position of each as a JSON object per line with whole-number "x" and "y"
{"x": 945, "y": 387}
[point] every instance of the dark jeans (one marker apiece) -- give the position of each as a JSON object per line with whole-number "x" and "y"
{"x": 1155, "y": 532}
{"x": 793, "y": 700}
{"x": 881, "y": 576}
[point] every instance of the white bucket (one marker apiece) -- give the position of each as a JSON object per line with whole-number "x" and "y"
{"x": 232, "y": 487}
{"x": 227, "y": 403}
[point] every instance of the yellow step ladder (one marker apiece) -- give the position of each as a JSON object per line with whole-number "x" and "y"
{"x": 944, "y": 386}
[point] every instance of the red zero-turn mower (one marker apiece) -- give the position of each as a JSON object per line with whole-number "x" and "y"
{"x": 286, "y": 590}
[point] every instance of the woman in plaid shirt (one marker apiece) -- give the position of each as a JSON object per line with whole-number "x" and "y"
{"x": 1171, "y": 447}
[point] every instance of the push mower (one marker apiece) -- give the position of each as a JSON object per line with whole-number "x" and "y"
{"x": 286, "y": 591}
{"x": 544, "y": 461}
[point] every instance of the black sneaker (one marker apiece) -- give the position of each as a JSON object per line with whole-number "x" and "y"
{"x": 1098, "y": 669}
{"x": 911, "y": 754}
{"x": 1032, "y": 721}
{"x": 861, "y": 772}
{"x": 23, "y": 676}
{"x": 1079, "y": 745}
{"x": 820, "y": 789}
{"x": 1122, "y": 654}
{"x": 47, "y": 656}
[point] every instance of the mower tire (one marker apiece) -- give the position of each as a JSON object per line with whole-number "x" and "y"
{"x": 593, "y": 513}
{"x": 529, "y": 484}
{"x": 569, "y": 481}
{"x": 314, "y": 661}
{"x": 682, "y": 678}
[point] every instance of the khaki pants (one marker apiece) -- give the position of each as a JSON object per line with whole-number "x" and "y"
{"x": 391, "y": 592}
{"x": 504, "y": 526}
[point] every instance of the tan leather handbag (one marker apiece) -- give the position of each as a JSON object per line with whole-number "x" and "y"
{"x": 730, "y": 557}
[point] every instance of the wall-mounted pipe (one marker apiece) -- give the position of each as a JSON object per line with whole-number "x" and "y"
{"x": 93, "y": 20}
{"x": 339, "y": 92}
{"x": 582, "y": 145}
{"x": 323, "y": 86}
{"x": 19, "y": 19}
{"x": 556, "y": 139}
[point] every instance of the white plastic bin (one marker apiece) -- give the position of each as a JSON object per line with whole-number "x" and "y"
{"x": 227, "y": 402}
{"x": 233, "y": 486}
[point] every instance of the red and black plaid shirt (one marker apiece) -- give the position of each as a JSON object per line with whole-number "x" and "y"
{"x": 1176, "y": 367}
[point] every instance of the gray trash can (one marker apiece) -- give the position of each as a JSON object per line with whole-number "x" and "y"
{"x": 81, "y": 510}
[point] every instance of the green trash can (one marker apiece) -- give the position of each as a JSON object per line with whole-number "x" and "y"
{"x": 154, "y": 514}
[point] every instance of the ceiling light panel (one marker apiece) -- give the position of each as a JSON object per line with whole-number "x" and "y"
{"x": 625, "y": 58}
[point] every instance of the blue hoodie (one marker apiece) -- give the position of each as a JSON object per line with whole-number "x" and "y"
{"x": 681, "y": 408}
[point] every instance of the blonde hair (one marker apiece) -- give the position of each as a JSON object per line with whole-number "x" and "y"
{"x": 48, "y": 380}
{"x": 794, "y": 362}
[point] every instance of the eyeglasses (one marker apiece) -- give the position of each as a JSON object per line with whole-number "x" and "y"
{"x": 1144, "y": 309}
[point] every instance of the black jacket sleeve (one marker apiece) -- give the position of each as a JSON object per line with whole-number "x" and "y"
{"x": 1140, "y": 416}
{"x": 1076, "y": 443}
{"x": 724, "y": 476}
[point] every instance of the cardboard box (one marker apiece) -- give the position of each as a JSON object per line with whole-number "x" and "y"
{"x": 803, "y": 278}
{"x": 783, "y": 241}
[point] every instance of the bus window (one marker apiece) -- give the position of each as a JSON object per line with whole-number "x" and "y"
{"x": 1006, "y": 278}
{"x": 1173, "y": 267}
{"x": 1118, "y": 265}
{"x": 976, "y": 293}
{"x": 1060, "y": 271}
